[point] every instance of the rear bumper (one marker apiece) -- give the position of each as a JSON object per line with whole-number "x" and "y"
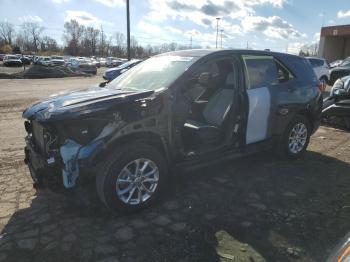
{"x": 315, "y": 126}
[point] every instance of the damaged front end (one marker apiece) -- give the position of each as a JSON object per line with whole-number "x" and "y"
{"x": 65, "y": 133}
{"x": 57, "y": 155}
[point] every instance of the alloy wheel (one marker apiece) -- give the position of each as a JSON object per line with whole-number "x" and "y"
{"x": 137, "y": 181}
{"x": 297, "y": 138}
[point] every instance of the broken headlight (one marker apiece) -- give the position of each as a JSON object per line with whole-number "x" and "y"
{"x": 83, "y": 131}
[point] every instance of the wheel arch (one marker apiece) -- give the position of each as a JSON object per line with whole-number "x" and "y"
{"x": 146, "y": 137}
{"x": 324, "y": 77}
{"x": 308, "y": 114}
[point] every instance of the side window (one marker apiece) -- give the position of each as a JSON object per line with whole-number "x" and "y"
{"x": 283, "y": 73}
{"x": 261, "y": 71}
{"x": 321, "y": 62}
{"x": 207, "y": 78}
{"x": 312, "y": 62}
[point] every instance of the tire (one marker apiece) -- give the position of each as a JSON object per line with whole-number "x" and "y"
{"x": 114, "y": 169}
{"x": 286, "y": 148}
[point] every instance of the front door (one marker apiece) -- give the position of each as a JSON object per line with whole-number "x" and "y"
{"x": 211, "y": 91}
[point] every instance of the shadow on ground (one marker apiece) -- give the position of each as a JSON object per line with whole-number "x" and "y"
{"x": 252, "y": 209}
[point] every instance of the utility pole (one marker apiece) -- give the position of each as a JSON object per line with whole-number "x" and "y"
{"x": 102, "y": 45}
{"x": 247, "y": 45}
{"x": 128, "y": 27}
{"x": 217, "y": 31}
{"x": 221, "y": 31}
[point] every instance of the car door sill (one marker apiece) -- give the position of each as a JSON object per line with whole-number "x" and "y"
{"x": 208, "y": 159}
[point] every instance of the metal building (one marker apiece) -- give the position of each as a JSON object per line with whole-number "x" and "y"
{"x": 335, "y": 42}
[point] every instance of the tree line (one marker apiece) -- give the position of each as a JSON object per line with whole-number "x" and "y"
{"x": 79, "y": 40}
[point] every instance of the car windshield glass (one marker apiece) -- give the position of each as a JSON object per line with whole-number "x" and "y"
{"x": 127, "y": 64}
{"x": 346, "y": 62}
{"x": 11, "y": 57}
{"x": 152, "y": 74}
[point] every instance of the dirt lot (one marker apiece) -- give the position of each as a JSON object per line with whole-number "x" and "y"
{"x": 253, "y": 209}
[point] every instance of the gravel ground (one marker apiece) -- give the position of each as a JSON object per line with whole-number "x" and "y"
{"x": 257, "y": 208}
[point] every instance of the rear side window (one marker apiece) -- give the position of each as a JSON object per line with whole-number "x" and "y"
{"x": 316, "y": 62}
{"x": 261, "y": 71}
{"x": 283, "y": 73}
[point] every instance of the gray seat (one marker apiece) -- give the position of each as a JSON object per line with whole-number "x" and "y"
{"x": 215, "y": 112}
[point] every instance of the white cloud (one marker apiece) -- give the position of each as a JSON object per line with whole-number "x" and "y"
{"x": 204, "y": 12}
{"x": 59, "y": 1}
{"x": 149, "y": 28}
{"x": 31, "y": 18}
{"x": 317, "y": 36}
{"x": 343, "y": 14}
{"x": 295, "y": 47}
{"x": 273, "y": 27}
{"x": 112, "y": 3}
{"x": 84, "y": 18}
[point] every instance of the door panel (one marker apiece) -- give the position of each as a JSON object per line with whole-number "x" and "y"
{"x": 259, "y": 111}
{"x": 261, "y": 79}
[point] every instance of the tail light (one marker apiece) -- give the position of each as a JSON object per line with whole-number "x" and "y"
{"x": 322, "y": 86}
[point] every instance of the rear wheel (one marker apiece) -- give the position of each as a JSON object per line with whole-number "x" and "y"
{"x": 296, "y": 137}
{"x": 132, "y": 178}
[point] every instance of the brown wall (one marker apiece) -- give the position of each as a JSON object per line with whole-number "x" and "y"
{"x": 333, "y": 48}
{"x": 339, "y": 30}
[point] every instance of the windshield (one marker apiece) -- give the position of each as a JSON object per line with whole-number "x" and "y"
{"x": 11, "y": 57}
{"x": 127, "y": 64}
{"x": 152, "y": 74}
{"x": 346, "y": 62}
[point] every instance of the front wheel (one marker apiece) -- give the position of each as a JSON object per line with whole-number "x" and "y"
{"x": 132, "y": 178}
{"x": 296, "y": 137}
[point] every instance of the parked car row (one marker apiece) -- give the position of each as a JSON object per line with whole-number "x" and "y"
{"x": 83, "y": 64}
{"x": 114, "y": 72}
{"x": 16, "y": 60}
{"x": 330, "y": 73}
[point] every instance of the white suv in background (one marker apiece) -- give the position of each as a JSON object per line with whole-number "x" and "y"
{"x": 321, "y": 68}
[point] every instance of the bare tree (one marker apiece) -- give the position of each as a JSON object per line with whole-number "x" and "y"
{"x": 120, "y": 44}
{"x": 90, "y": 41}
{"x": 48, "y": 44}
{"x": 73, "y": 33}
{"x": 33, "y": 31}
{"x": 6, "y": 32}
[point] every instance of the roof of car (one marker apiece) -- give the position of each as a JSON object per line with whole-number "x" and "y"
{"x": 314, "y": 57}
{"x": 205, "y": 52}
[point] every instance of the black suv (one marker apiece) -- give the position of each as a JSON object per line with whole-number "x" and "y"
{"x": 180, "y": 109}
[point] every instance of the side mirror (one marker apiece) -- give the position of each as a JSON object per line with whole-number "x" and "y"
{"x": 103, "y": 84}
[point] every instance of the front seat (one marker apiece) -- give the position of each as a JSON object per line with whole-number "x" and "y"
{"x": 208, "y": 129}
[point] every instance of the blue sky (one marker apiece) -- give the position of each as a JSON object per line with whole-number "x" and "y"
{"x": 276, "y": 24}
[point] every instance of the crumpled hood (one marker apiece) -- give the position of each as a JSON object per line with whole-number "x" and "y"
{"x": 69, "y": 104}
{"x": 340, "y": 68}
